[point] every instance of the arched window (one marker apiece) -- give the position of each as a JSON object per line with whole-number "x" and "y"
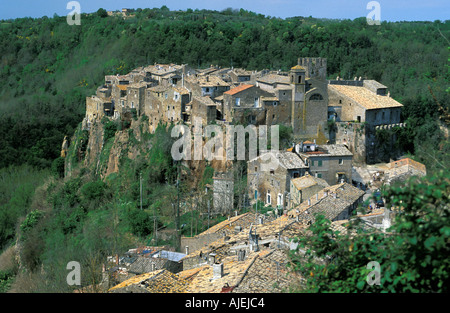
{"x": 316, "y": 96}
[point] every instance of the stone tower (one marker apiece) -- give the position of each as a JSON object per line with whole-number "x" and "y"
{"x": 310, "y": 99}
{"x": 223, "y": 198}
{"x": 297, "y": 80}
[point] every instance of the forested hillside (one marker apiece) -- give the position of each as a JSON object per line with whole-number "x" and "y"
{"x": 47, "y": 68}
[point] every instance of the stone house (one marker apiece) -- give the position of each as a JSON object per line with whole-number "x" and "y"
{"x": 401, "y": 170}
{"x": 333, "y": 163}
{"x": 243, "y": 104}
{"x": 359, "y": 108}
{"x": 166, "y": 74}
{"x": 336, "y": 202}
{"x": 273, "y": 186}
{"x": 200, "y": 107}
{"x": 97, "y": 108}
{"x": 207, "y": 85}
{"x": 166, "y": 105}
{"x": 302, "y": 188}
{"x": 239, "y": 75}
{"x": 362, "y": 101}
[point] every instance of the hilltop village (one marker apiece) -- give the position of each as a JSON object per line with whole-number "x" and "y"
{"x": 332, "y": 167}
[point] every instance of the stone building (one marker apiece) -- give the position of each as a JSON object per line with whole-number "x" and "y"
{"x": 401, "y": 170}
{"x": 272, "y": 186}
{"x": 359, "y": 108}
{"x": 200, "y": 107}
{"x": 243, "y": 104}
{"x": 206, "y": 85}
{"x": 333, "y": 163}
{"x": 303, "y": 94}
{"x": 336, "y": 202}
{"x": 302, "y": 188}
{"x": 223, "y": 192}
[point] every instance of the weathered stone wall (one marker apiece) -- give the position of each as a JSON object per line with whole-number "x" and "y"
{"x": 353, "y": 136}
{"x": 331, "y": 167}
{"x": 383, "y": 116}
{"x": 196, "y": 243}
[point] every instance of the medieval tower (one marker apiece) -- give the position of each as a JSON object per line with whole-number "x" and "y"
{"x": 309, "y": 99}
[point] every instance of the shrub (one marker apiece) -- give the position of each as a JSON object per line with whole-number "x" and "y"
{"x": 93, "y": 190}
{"x": 31, "y": 220}
{"x": 58, "y": 167}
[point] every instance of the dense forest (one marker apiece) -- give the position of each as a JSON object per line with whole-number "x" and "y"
{"x": 47, "y": 68}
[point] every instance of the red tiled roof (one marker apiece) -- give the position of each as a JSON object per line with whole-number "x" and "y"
{"x": 238, "y": 89}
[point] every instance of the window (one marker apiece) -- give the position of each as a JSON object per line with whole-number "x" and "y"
{"x": 256, "y": 102}
{"x": 358, "y": 118}
{"x": 319, "y": 163}
{"x": 272, "y": 172}
{"x": 340, "y": 101}
{"x": 238, "y": 102}
{"x": 316, "y": 97}
{"x": 318, "y": 175}
{"x": 280, "y": 199}
{"x": 312, "y": 162}
{"x": 269, "y": 200}
{"x": 341, "y": 161}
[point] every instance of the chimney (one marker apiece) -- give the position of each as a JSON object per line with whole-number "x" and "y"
{"x": 386, "y": 219}
{"x": 212, "y": 258}
{"x": 217, "y": 270}
{"x": 309, "y": 201}
{"x": 153, "y": 267}
{"x": 117, "y": 259}
{"x": 241, "y": 255}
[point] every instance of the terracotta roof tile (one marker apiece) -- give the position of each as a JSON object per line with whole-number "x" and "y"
{"x": 238, "y": 89}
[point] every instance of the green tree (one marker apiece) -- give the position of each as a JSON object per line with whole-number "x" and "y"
{"x": 102, "y": 13}
{"x": 413, "y": 254}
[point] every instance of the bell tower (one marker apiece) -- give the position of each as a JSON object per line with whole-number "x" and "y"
{"x": 297, "y": 78}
